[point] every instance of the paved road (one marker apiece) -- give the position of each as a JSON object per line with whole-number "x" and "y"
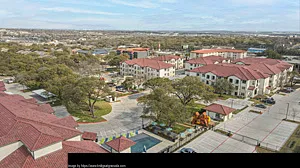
{"x": 125, "y": 116}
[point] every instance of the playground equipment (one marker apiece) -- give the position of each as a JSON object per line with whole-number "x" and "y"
{"x": 202, "y": 119}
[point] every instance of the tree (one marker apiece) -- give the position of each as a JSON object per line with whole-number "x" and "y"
{"x": 128, "y": 83}
{"x": 223, "y": 86}
{"x": 157, "y": 82}
{"x": 190, "y": 88}
{"x": 93, "y": 89}
{"x": 272, "y": 54}
{"x": 291, "y": 76}
{"x": 161, "y": 106}
{"x": 281, "y": 81}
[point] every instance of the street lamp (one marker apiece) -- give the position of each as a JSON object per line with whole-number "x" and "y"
{"x": 287, "y": 110}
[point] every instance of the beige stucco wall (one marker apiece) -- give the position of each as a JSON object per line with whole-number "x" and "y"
{"x": 126, "y": 151}
{"x": 47, "y": 150}
{"x": 77, "y": 138}
{"x": 8, "y": 149}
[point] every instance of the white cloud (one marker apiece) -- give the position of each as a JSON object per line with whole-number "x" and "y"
{"x": 167, "y": 1}
{"x": 166, "y": 9}
{"x": 73, "y": 10}
{"x": 253, "y": 2}
{"x": 139, "y": 4}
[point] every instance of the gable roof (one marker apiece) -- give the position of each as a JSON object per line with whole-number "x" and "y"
{"x": 67, "y": 122}
{"x": 89, "y": 136}
{"x": 145, "y": 62}
{"x": 207, "y": 60}
{"x": 225, "y": 70}
{"x": 120, "y": 143}
{"x": 220, "y": 109}
{"x": 166, "y": 58}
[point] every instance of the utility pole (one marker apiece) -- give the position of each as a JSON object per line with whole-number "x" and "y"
{"x": 287, "y": 110}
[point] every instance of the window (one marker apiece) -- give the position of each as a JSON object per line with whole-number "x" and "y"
{"x": 213, "y": 77}
{"x": 203, "y": 75}
{"x": 253, "y": 83}
{"x": 191, "y": 68}
{"x": 157, "y": 70}
{"x": 243, "y": 94}
{"x": 236, "y": 88}
{"x": 237, "y": 81}
{"x": 207, "y": 77}
{"x": 207, "y": 82}
{"x": 244, "y": 82}
{"x": 243, "y": 88}
{"x": 198, "y": 74}
{"x": 230, "y": 80}
{"x": 235, "y": 93}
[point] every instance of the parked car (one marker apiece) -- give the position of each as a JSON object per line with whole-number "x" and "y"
{"x": 187, "y": 150}
{"x": 135, "y": 91}
{"x": 269, "y": 101}
{"x": 261, "y": 106}
{"x": 120, "y": 89}
{"x": 290, "y": 89}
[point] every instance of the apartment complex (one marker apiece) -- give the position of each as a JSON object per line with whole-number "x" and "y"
{"x": 203, "y": 61}
{"x": 30, "y": 136}
{"x": 177, "y": 61}
{"x": 134, "y": 53}
{"x": 147, "y": 68}
{"x": 225, "y": 53}
{"x": 250, "y": 77}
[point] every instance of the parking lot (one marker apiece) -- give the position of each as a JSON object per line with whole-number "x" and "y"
{"x": 212, "y": 142}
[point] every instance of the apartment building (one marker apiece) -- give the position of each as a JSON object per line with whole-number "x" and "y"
{"x": 177, "y": 61}
{"x": 250, "y": 77}
{"x": 134, "y": 53}
{"x": 246, "y": 82}
{"x": 147, "y": 68}
{"x": 277, "y": 70}
{"x": 203, "y": 61}
{"x": 225, "y": 53}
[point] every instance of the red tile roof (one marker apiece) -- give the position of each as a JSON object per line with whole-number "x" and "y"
{"x": 217, "y": 50}
{"x": 166, "y": 58}
{"x": 217, "y": 108}
{"x": 20, "y": 122}
{"x": 251, "y": 88}
{"x": 44, "y": 108}
{"x": 207, "y": 60}
{"x": 89, "y": 136}
{"x": 265, "y": 65}
{"x": 59, "y": 159}
{"x": 120, "y": 144}
{"x": 67, "y": 122}
{"x": 225, "y": 70}
{"x": 144, "y": 62}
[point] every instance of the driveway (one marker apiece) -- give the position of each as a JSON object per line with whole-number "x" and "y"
{"x": 125, "y": 116}
{"x": 268, "y": 127}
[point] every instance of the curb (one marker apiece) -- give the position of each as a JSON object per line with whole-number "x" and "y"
{"x": 92, "y": 122}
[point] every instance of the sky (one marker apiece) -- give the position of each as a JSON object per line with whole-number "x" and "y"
{"x": 183, "y": 15}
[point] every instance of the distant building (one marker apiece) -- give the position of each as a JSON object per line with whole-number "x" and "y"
{"x": 147, "y": 68}
{"x": 219, "y": 112}
{"x": 256, "y": 50}
{"x": 85, "y": 52}
{"x": 101, "y": 51}
{"x": 171, "y": 59}
{"x": 134, "y": 53}
{"x": 226, "y": 53}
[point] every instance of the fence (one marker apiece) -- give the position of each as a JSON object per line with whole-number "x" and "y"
{"x": 183, "y": 141}
{"x": 126, "y": 132}
{"x": 252, "y": 141}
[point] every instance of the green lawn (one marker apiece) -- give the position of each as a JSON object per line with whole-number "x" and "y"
{"x": 179, "y": 128}
{"x": 195, "y": 107}
{"x": 101, "y": 108}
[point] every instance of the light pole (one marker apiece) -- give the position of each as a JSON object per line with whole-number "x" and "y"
{"x": 287, "y": 110}
{"x": 232, "y": 103}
